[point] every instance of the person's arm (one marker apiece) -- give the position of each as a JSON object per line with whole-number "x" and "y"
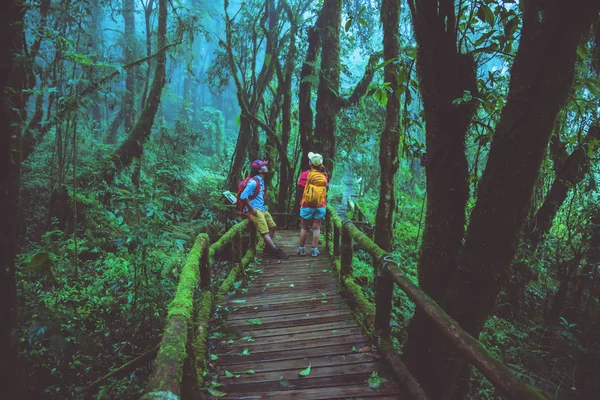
{"x": 244, "y": 197}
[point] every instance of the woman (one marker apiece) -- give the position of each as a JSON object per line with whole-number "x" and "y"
{"x": 313, "y": 184}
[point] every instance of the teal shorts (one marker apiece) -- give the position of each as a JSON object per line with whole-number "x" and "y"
{"x": 312, "y": 213}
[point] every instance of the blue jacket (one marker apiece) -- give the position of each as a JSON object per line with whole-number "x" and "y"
{"x": 259, "y": 201}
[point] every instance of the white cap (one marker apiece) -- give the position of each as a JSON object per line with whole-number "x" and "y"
{"x": 315, "y": 158}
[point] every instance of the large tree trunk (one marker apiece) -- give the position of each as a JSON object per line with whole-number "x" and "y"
{"x": 541, "y": 78}
{"x": 138, "y": 135}
{"x": 126, "y": 114}
{"x": 12, "y": 78}
{"x": 390, "y": 137}
{"x": 444, "y": 76}
{"x": 329, "y": 82}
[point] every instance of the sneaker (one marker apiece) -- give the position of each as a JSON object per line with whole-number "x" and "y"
{"x": 315, "y": 252}
{"x": 281, "y": 254}
{"x": 301, "y": 251}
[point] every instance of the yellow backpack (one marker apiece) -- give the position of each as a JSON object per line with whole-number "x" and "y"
{"x": 315, "y": 190}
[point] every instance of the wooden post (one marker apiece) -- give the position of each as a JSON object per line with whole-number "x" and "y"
{"x": 205, "y": 269}
{"x": 346, "y": 256}
{"x": 336, "y": 242}
{"x": 384, "y": 287}
{"x": 236, "y": 249}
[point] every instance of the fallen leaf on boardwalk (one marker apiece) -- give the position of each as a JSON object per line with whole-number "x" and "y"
{"x": 323, "y": 301}
{"x": 229, "y": 374}
{"x": 255, "y": 321}
{"x": 250, "y": 371}
{"x": 248, "y": 338}
{"x": 365, "y": 349}
{"x": 214, "y": 357}
{"x": 230, "y": 341}
{"x": 216, "y": 384}
{"x": 246, "y": 352}
{"x": 283, "y": 382}
{"x": 354, "y": 349}
{"x": 292, "y": 285}
{"x": 305, "y": 372}
{"x": 238, "y": 301}
{"x": 324, "y": 294}
{"x": 375, "y": 381}
{"x": 216, "y": 393}
{"x": 334, "y": 331}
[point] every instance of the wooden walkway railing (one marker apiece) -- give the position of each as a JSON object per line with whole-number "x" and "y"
{"x": 184, "y": 343}
{"x": 342, "y": 236}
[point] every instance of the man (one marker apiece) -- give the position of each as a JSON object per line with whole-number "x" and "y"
{"x": 256, "y": 210}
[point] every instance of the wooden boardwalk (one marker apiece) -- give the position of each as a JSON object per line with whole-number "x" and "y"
{"x": 292, "y": 316}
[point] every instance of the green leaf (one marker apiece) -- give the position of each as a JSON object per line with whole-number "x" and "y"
{"x": 362, "y": 21}
{"x": 216, "y": 393}
{"x": 249, "y": 372}
{"x": 246, "y": 352}
{"x": 229, "y": 374}
{"x": 375, "y": 381}
{"x": 485, "y": 14}
{"x": 305, "y": 372}
{"x": 214, "y": 357}
{"x": 255, "y": 321}
{"x": 348, "y": 23}
{"x": 291, "y": 285}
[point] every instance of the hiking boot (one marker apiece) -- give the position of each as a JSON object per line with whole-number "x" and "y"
{"x": 301, "y": 251}
{"x": 279, "y": 253}
{"x": 315, "y": 252}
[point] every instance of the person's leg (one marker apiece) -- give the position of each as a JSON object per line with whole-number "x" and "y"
{"x": 319, "y": 214}
{"x": 316, "y": 228}
{"x": 262, "y": 228}
{"x": 271, "y": 224}
{"x": 304, "y": 231}
{"x": 268, "y": 238}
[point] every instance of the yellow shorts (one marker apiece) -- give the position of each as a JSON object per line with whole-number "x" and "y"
{"x": 263, "y": 221}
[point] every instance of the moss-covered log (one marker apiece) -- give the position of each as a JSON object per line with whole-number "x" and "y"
{"x": 201, "y": 336}
{"x": 402, "y": 375}
{"x": 227, "y": 237}
{"x": 469, "y": 347}
{"x": 363, "y": 306}
{"x": 168, "y": 368}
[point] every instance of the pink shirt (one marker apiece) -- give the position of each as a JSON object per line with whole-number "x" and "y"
{"x": 302, "y": 182}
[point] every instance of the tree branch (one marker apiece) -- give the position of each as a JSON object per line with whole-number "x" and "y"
{"x": 363, "y": 84}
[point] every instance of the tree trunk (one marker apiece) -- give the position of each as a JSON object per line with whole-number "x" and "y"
{"x": 11, "y": 99}
{"x": 504, "y": 193}
{"x": 390, "y": 137}
{"x": 444, "y": 76}
{"x": 523, "y": 132}
{"x": 138, "y": 135}
{"x": 329, "y": 83}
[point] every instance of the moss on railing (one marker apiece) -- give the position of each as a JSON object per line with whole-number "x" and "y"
{"x": 168, "y": 368}
{"x": 363, "y": 306}
{"x": 201, "y": 335}
{"x": 227, "y": 237}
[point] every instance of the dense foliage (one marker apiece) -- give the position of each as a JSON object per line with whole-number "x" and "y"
{"x": 128, "y": 119}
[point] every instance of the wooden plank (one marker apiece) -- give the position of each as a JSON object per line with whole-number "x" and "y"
{"x": 296, "y": 321}
{"x": 351, "y": 331}
{"x": 312, "y": 349}
{"x": 285, "y": 310}
{"x": 306, "y": 315}
{"x": 362, "y": 391}
{"x": 257, "y": 332}
{"x": 293, "y": 363}
{"x": 316, "y": 296}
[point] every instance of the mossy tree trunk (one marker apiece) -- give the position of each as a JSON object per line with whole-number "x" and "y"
{"x": 444, "y": 76}
{"x": 390, "y": 137}
{"x": 12, "y": 80}
{"x": 329, "y": 82}
{"x": 541, "y": 77}
{"x": 329, "y": 101}
{"x": 126, "y": 114}
{"x": 131, "y": 147}
{"x": 250, "y": 94}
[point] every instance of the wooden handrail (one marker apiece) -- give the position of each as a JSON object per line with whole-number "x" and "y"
{"x": 387, "y": 273}
{"x": 167, "y": 372}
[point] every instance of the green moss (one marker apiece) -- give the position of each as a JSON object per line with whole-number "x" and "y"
{"x": 363, "y": 306}
{"x": 183, "y": 303}
{"x": 228, "y": 283}
{"x": 160, "y": 396}
{"x": 227, "y": 237}
{"x": 200, "y": 340}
